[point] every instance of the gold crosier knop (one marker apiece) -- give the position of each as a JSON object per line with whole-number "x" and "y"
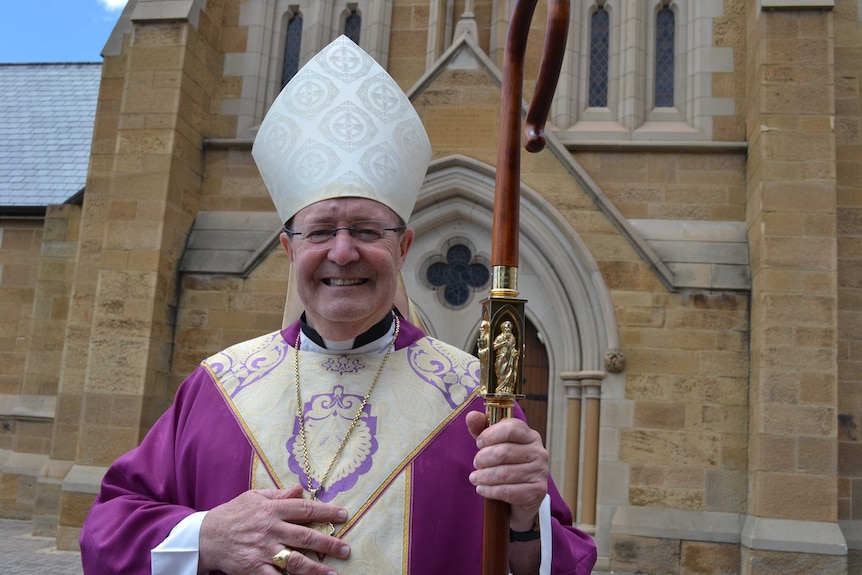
{"x": 328, "y": 527}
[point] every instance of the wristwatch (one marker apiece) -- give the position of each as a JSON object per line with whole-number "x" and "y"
{"x": 530, "y": 535}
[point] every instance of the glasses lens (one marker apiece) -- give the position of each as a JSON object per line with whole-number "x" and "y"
{"x": 318, "y": 233}
{"x": 368, "y": 231}
{"x": 365, "y": 232}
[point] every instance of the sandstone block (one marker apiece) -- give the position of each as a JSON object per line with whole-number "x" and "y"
{"x": 674, "y": 498}
{"x": 757, "y": 562}
{"x": 648, "y": 555}
{"x": 101, "y": 445}
{"x": 817, "y": 455}
{"x": 797, "y": 420}
{"x": 814, "y": 496}
{"x": 74, "y": 507}
{"x": 662, "y": 447}
{"x": 700, "y": 558}
{"x": 774, "y": 453}
{"x": 654, "y": 415}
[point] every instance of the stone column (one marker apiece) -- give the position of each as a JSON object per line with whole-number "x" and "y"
{"x": 592, "y": 382}
{"x": 791, "y": 522}
{"x": 572, "y": 384}
{"x": 586, "y": 384}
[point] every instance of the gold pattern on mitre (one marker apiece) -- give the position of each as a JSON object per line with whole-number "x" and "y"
{"x": 342, "y": 128}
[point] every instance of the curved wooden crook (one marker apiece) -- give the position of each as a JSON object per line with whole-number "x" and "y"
{"x": 504, "y": 249}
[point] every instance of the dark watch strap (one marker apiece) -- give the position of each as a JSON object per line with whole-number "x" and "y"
{"x": 530, "y": 535}
{"x": 524, "y": 535}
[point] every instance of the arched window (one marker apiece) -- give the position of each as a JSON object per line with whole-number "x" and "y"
{"x": 664, "y": 57}
{"x": 284, "y": 34}
{"x": 599, "y": 57}
{"x": 353, "y": 25}
{"x": 292, "y": 44}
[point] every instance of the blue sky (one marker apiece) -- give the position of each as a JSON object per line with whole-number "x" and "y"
{"x": 56, "y": 30}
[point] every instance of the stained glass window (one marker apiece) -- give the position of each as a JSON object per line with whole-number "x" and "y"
{"x": 664, "y": 54}
{"x": 459, "y": 275}
{"x": 352, "y": 26}
{"x": 292, "y": 44}
{"x": 599, "y": 47}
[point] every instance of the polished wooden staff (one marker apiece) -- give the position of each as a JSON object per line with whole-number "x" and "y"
{"x": 501, "y": 333}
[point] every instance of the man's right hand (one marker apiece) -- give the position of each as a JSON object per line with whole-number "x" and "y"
{"x": 242, "y": 535}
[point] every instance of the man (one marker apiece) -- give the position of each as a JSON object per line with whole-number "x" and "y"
{"x": 348, "y": 442}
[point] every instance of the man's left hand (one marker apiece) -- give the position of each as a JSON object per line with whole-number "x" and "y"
{"x": 511, "y": 466}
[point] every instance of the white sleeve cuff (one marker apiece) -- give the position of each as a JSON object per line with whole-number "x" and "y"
{"x": 546, "y": 535}
{"x": 178, "y": 553}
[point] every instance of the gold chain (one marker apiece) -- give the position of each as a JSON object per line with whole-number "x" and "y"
{"x": 302, "y": 438}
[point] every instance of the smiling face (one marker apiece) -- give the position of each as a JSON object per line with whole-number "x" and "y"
{"x": 346, "y": 285}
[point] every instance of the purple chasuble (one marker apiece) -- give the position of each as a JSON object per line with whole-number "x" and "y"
{"x": 197, "y": 456}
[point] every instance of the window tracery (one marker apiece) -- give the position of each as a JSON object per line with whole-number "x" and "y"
{"x": 292, "y": 48}
{"x": 665, "y": 29}
{"x": 353, "y": 25}
{"x": 456, "y": 276}
{"x": 659, "y": 74}
{"x": 599, "y": 56}
{"x": 284, "y": 34}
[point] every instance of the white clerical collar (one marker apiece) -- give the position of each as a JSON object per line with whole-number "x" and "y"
{"x": 379, "y": 345}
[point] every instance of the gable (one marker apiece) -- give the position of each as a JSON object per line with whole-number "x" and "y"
{"x": 448, "y": 131}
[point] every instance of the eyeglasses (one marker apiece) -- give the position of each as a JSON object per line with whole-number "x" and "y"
{"x": 365, "y": 232}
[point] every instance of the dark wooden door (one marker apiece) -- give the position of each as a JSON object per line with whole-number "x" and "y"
{"x": 535, "y": 386}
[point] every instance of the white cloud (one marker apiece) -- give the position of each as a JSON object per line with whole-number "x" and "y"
{"x": 113, "y": 4}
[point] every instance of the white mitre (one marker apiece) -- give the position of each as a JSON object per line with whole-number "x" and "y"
{"x": 342, "y": 127}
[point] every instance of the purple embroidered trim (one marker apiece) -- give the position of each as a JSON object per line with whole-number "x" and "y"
{"x": 255, "y": 366}
{"x": 343, "y": 364}
{"x": 327, "y": 415}
{"x": 454, "y": 375}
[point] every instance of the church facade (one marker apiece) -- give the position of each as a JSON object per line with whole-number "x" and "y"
{"x": 691, "y": 256}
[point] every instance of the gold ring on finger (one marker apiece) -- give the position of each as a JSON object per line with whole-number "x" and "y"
{"x": 280, "y": 558}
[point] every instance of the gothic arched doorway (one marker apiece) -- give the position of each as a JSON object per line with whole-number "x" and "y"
{"x": 567, "y": 308}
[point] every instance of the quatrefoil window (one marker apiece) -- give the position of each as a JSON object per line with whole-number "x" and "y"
{"x": 457, "y": 275}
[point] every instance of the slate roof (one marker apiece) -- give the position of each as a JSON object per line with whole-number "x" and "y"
{"x": 47, "y": 113}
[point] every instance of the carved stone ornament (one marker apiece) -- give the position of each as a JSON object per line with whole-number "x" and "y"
{"x": 615, "y": 361}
